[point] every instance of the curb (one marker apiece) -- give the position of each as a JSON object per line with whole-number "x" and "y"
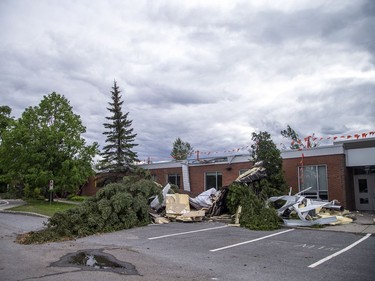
{"x": 24, "y": 213}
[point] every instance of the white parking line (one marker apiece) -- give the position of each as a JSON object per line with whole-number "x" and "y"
{"x": 188, "y": 232}
{"x": 339, "y": 252}
{"x": 250, "y": 241}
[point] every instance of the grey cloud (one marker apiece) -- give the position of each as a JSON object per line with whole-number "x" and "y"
{"x": 157, "y": 95}
{"x": 207, "y": 73}
{"x": 329, "y": 130}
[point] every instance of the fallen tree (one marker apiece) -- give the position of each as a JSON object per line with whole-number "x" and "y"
{"x": 252, "y": 189}
{"x": 117, "y": 206}
{"x": 255, "y": 212}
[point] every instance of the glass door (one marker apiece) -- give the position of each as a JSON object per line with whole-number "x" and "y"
{"x": 364, "y": 192}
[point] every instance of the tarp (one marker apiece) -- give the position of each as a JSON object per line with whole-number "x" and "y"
{"x": 203, "y": 200}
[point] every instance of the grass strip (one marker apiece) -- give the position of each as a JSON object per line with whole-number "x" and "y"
{"x": 43, "y": 207}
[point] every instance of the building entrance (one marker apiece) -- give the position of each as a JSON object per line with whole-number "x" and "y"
{"x": 365, "y": 192}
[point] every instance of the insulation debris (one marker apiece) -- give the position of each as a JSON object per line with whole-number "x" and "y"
{"x": 177, "y": 204}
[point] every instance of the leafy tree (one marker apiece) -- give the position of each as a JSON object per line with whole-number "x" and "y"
{"x": 181, "y": 150}
{"x": 46, "y": 144}
{"x": 296, "y": 142}
{"x": 289, "y": 133}
{"x": 5, "y": 119}
{"x": 5, "y": 124}
{"x": 118, "y": 154}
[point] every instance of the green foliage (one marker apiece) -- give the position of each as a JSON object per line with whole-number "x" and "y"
{"x": 12, "y": 193}
{"x": 255, "y": 215}
{"x": 289, "y": 133}
{"x": 44, "y": 144}
{"x": 264, "y": 149}
{"x": 118, "y": 154}
{"x": 35, "y": 193}
{"x": 5, "y": 119}
{"x": 27, "y": 192}
{"x": 181, "y": 150}
{"x": 297, "y": 143}
{"x": 116, "y": 206}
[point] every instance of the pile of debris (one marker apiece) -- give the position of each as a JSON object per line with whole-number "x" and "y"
{"x": 181, "y": 207}
{"x": 297, "y": 210}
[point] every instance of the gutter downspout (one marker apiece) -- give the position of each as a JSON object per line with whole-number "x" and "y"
{"x": 185, "y": 176}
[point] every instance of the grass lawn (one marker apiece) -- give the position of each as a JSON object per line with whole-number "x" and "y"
{"x": 43, "y": 207}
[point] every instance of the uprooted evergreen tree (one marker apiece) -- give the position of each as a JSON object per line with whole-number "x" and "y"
{"x": 118, "y": 156}
{"x": 256, "y": 214}
{"x": 115, "y": 207}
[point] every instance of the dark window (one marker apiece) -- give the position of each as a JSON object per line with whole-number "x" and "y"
{"x": 362, "y": 184}
{"x": 174, "y": 179}
{"x": 315, "y": 177}
{"x": 213, "y": 180}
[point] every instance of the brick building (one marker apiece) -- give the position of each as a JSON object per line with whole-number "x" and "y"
{"x": 344, "y": 171}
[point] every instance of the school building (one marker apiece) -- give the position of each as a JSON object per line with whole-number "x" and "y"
{"x": 344, "y": 171}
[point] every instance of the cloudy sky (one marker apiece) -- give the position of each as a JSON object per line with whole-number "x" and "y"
{"x": 209, "y": 72}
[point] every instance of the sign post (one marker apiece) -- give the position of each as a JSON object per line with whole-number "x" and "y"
{"x": 50, "y": 185}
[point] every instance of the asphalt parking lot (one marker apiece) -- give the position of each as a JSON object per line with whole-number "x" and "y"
{"x": 194, "y": 251}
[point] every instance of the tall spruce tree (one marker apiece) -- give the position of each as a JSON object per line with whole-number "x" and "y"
{"x": 118, "y": 155}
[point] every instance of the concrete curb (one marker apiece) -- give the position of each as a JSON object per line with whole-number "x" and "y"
{"x": 24, "y": 213}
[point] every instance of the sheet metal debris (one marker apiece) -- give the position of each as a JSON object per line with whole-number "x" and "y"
{"x": 299, "y": 210}
{"x": 257, "y": 173}
{"x": 155, "y": 204}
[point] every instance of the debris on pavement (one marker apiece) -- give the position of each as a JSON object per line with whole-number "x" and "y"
{"x": 294, "y": 210}
{"x": 299, "y": 210}
{"x": 178, "y": 208}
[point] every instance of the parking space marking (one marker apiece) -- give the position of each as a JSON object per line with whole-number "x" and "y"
{"x": 187, "y": 232}
{"x": 250, "y": 241}
{"x": 339, "y": 252}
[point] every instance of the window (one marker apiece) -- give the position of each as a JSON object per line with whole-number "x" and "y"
{"x": 316, "y": 178}
{"x": 213, "y": 180}
{"x": 154, "y": 177}
{"x": 174, "y": 179}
